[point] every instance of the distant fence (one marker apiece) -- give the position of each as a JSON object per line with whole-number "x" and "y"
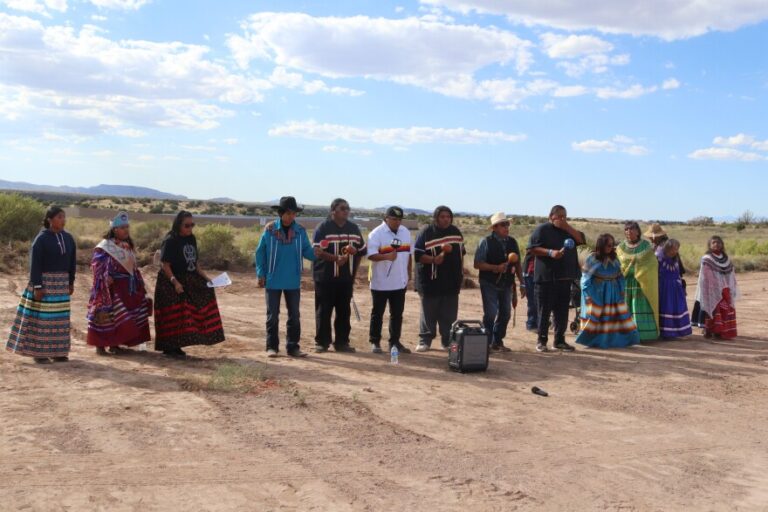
{"x": 236, "y": 221}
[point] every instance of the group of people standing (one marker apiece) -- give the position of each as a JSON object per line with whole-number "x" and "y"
{"x": 185, "y": 309}
{"x": 634, "y": 291}
{"x": 630, "y": 292}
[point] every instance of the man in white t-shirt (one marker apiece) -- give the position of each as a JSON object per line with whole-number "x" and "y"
{"x": 389, "y": 251}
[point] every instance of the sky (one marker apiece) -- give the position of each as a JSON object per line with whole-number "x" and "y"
{"x": 614, "y": 108}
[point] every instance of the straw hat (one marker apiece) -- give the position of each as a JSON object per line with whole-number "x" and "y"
{"x": 498, "y": 217}
{"x": 655, "y": 231}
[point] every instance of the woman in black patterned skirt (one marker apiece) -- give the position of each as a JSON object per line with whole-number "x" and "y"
{"x": 186, "y": 312}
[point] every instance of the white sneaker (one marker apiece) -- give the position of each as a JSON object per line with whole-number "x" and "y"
{"x": 271, "y": 352}
{"x": 422, "y": 347}
{"x": 376, "y": 349}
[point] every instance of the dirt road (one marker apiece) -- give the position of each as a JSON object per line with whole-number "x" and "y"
{"x": 666, "y": 426}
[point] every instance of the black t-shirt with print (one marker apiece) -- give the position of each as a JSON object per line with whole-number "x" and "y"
{"x": 181, "y": 253}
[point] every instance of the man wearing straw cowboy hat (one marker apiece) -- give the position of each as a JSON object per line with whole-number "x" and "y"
{"x": 556, "y": 268}
{"x": 389, "y": 250}
{"x": 656, "y": 234}
{"x": 498, "y": 260}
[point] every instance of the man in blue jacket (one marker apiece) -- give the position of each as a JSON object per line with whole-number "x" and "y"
{"x": 279, "y": 264}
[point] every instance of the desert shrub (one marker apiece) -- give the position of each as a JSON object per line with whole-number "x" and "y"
{"x": 701, "y": 221}
{"x": 216, "y": 245}
{"x": 20, "y": 217}
{"x": 246, "y": 241}
{"x": 148, "y": 236}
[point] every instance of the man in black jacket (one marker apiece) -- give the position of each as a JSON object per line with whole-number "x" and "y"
{"x": 439, "y": 254}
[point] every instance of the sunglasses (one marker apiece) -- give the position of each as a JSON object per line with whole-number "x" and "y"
{"x": 189, "y": 225}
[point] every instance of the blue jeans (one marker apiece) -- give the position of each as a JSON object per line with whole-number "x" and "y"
{"x": 497, "y": 310}
{"x": 532, "y": 322}
{"x": 293, "y": 325}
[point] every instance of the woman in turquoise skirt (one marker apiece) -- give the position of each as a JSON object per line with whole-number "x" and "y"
{"x": 605, "y": 320}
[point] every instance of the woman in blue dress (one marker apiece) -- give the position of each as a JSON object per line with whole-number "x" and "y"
{"x": 605, "y": 320}
{"x": 674, "y": 320}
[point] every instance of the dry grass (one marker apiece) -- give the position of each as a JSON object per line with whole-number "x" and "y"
{"x": 229, "y": 378}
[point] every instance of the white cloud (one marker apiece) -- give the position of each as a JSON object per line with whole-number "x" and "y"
{"x": 597, "y": 63}
{"x": 632, "y": 92}
{"x": 105, "y": 85}
{"x": 571, "y": 46}
{"x": 124, "y": 5}
{"x": 98, "y": 17}
{"x": 348, "y": 151}
{"x": 390, "y": 136}
{"x": 284, "y": 78}
{"x": 617, "y": 144}
{"x": 567, "y": 91}
{"x": 726, "y": 154}
{"x": 670, "y": 83}
{"x": 735, "y": 141}
{"x": 36, "y": 6}
{"x": 742, "y": 140}
{"x": 666, "y": 19}
{"x": 433, "y": 55}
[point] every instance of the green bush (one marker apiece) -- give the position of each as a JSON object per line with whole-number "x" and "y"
{"x": 148, "y": 236}
{"x": 20, "y": 217}
{"x": 216, "y": 247}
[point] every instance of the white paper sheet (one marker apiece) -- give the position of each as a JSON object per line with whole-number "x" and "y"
{"x": 220, "y": 281}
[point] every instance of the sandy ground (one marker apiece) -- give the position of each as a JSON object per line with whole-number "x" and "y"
{"x": 665, "y": 426}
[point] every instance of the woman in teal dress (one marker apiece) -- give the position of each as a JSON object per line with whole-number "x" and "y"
{"x": 605, "y": 320}
{"x": 641, "y": 274}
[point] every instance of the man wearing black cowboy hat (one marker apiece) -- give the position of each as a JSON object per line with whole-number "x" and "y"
{"x": 279, "y": 264}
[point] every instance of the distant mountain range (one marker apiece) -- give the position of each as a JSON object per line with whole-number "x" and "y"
{"x": 98, "y": 190}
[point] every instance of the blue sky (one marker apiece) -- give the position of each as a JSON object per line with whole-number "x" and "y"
{"x": 616, "y": 109}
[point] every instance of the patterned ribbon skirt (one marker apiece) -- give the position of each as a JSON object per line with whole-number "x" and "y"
{"x": 41, "y": 328}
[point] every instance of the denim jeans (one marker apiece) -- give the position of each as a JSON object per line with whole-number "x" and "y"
{"x": 497, "y": 310}
{"x": 293, "y": 325}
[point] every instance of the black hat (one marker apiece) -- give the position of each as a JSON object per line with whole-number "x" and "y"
{"x": 288, "y": 203}
{"x": 395, "y": 211}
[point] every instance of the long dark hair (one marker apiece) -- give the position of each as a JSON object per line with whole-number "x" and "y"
{"x": 51, "y": 213}
{"x": 111, "y": 235}
{"x": 600, "y": 244}
{"x": 440, "y": 209}
{"x": 177, "y": 222}
{"x": 712, "y": 239}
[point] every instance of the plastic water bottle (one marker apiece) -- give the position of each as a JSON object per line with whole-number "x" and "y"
{"x": 143, "y": 347}
{"x": 394, "y": 355}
